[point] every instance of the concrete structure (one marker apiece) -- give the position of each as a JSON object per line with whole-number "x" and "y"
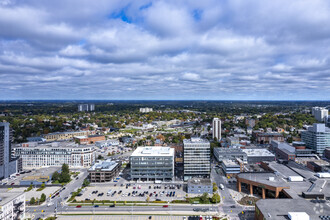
{"x": 216, "y": 128}
{"x": 320, "y": 113}
{"x": 231, "y": 167}
{"x": 261, "y": 183}
{"x": 221, "y": 154}
{"x": 294, "y": 209}
{"x": 56, "y": 154}
{"x": 196, "y": 158}
{"x": 8, "y": 163}
{"x": 107, "y": 143}
{"x": 152, "y": 163}
{"x": 145, "y": 110}
{"x": 283, "y": 150}
{"x": 199, "y": 186}
{"x": 86, "y": 107}
{"x": 266, "y": 138}
{"x": 258, "y": 155}
{"x": 61, "y": 136}
{"x": 317, "y": 137}
{"x": 104, "y": 171}
{"x": 12, "y": 205}
{"x": 89, "y": 139}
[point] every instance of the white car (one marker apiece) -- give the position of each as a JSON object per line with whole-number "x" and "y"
{"x": 50, "y": 204}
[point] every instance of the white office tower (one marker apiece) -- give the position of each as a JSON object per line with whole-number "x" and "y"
{"x": 317, "y": 137}
{"x": 216, "y": 128}
{"x": 196, "y": 158}
{"x": 320, "y": 113}
{"x": 86, "y": 107}
{"x": 8, "y": 164}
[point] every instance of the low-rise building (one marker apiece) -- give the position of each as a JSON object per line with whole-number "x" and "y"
{"x": 104, "y": 171}
{"x": 89, "y": 139}
{"x": 283, "y": 151}
{"x": 221, "y": 154}
{"x": 231, "y": 167}
{"x": 258, "y": 155}
{"x": 107, "y": 143}
{"x": 55, "y": 154}
{"x": 12, "y": 205}
{"x": 60, "y": 136}
{"x": 152, "y": 163}
{"x": 199, "y": 186}
{"x": 266, "y": 138}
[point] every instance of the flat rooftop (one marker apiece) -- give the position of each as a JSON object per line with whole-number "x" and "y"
{"x": 58, "y": 145}
{"x": 8, "y": 196}
{"x": 230, "y": 163}
{"x": 199, "y": 181}
{"x": 107, "y": 165}
{"x": 195, "y": 140}
{"x": 278, "y": 209}
{"x": 264, "y": 178}
{"x": 153, "y": 151}
{"x": 258, "y": 153}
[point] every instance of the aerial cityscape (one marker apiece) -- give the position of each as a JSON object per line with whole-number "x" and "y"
{"x": 164, "y": 110}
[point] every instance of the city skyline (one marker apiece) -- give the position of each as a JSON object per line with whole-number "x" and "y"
{"x": 164, "y": 50}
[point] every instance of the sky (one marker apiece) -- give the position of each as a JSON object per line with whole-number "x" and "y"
{"x": 165, "y": 50}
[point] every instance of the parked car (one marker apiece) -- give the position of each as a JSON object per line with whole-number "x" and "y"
{"x": 78, "y": 206}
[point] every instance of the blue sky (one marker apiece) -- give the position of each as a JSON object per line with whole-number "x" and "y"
{"x": 210, "y": 49}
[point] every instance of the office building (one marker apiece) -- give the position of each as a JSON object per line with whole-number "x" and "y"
{"x": 12, "y": 205}
{"x": 230, "y": 167}
{"x": 196, "y": 158}
{"x": 320, "y": 113}
{"x": 216, "y": 129}
{"x": 86, "y": 107}
{"x": 56, "y": 154}
{"x": 199, "y": 186}
{"x": 258, "y": 155}
{"x": 8, "y": 163}
{"x": 221, "y": 154}
{"x": 104, "y": 171}
{"x": 152, "y": 163}
{"x": 61, "y": 136}
{"x": 316, "y": 137}
{"x": 145, "y": 110}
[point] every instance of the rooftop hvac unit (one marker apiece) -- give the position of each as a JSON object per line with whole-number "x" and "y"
{"x": 298, "y": 216}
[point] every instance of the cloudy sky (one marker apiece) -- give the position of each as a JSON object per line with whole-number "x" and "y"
{"x": 210, "y": 49}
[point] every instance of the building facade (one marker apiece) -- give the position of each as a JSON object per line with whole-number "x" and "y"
{"x": 104, "y": 171}
{"x": 56, "y": 154}
{"x": 267, "y": 138}
{"x": 216, "y": 128}
{"x": 61, "y": 136}
{"x": 230, "y": 167}
{"x": 199, "y": 186}
{"x": 86, "y": 107}
{"x": 320, "y": 113}
{"x": 8, "y": 163}
{"x": 145, "y": 110}
{"x": 12, "y": 205}
{"x": 152, "y": 163}
{"x": 317, "y": 137}
{"x": 92, "y": 139}
{"x": 196, "y": 158}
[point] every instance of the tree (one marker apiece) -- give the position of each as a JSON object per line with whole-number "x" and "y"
{"x": 32, "y": 200}
{"x": 65, "y": 168}
{"x": 43, "y": 197}
{"x": 86, "y": 182}
{"x": 55, "y": 176}
{"x": 64, "y": 177}
{"x": 205, "y": 198}
{"x": 215, "y": 198}
{"x": 100, "y": 157}
{"x": 215, "y": 188}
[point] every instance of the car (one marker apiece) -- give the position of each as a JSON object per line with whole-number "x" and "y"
{"x": 12, "y": 184}
{"x": 232, "y": 206}
{"x": 112, "y": 206}
{"x": 165, "y": 206}
{"x": 150, "y": 217}
{"x": 78, "y": 206}
{"x": 95, "y": 206}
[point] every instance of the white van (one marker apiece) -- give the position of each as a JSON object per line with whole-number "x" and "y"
{"x": 109, "y": 192}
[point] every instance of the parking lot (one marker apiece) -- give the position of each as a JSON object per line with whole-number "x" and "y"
{"x": 133, "y": 192}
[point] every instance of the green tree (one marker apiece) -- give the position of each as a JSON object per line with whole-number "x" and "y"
{"x": 86, "y": 182}
{"x": 55, "y": 176}
{"x": 64, "y": 177}
{"x": 32, "y": 200}
{"x": 205, "y": 198}
{"x": 65, "y": 168}
{"x": 215, "y": 188}
{"x": 215, "y": 198}
{"x": 43, "y": 197}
